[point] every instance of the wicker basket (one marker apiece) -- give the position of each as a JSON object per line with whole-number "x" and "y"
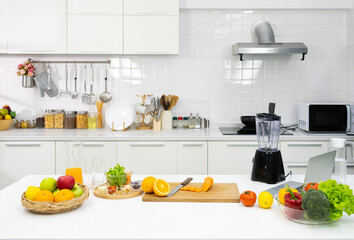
{"x": 53, "y": 207}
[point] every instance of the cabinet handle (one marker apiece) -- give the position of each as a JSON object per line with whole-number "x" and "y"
{"x": 151, "y": 51}
{"x": 37, "y": 51}
{"x": 22, "y": 145}
{"x": 297, "y": 165}
{"x": 152, "y": 13}
{"x": 95, "y": 51}
{"x": 93, "y": 145}
{"x": 147, "y": 144}
{"x": 192, "y": 144}
{"x": 242, "y": 144}
{"x": 350, "y": 165}
{"x": 96, "y": 12}
{"x": 304, "y": 144}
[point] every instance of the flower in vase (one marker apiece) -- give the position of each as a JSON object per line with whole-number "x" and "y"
{"x": 23, "y": 72}
{"x": 19, "y": 67}
{"x": 30, "y": 74}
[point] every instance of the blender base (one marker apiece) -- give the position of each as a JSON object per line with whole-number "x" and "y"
{"x": 268, "y": 167}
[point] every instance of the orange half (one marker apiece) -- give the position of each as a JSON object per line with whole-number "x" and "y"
{"x": 161, "y": 187}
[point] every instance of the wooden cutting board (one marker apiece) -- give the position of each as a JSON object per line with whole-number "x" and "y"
{"x": 219, "y": 192}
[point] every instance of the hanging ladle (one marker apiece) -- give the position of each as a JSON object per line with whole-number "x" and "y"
{"x": 76, "y": 93}
{"x": 85, "y": 98}
{"x": 66, "y": 93}
{"x": 106, "y": 96}
{"x": 92, "y": 96}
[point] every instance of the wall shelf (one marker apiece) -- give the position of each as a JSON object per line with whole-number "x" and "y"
{"x": 266, "y": 4}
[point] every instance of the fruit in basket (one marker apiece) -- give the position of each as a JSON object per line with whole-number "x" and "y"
{"x": 31, "y": 192}
{"x": 161, "y": 188}
{"x": 44, "y": 196}
{"x": 66, "y": 182}
{"x": 64, "y": 195}
{"x": 148, "y": 184}
{"x": 265, "y": 199}
{"x": 49, "y": 184}
{"x": 248, "y": 198}
{"x": 56, "y": 191}
{"x": 4, "y": 112}
{"x": 77, "y": 190}
{"x": 7, "y": 107}
{"x": 7, "y": 117}
{"x": 13, "y": 114}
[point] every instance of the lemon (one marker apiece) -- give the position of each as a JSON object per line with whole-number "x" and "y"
{"x": 161, "y": 188}
{"x": 7, "y": 117}
{"x": 265, "y": 199}
{"x": 32, "y": 192}
{"x": 148, "y": 184}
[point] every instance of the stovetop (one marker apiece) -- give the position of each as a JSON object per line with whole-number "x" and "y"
{"x": 246, "y": 131}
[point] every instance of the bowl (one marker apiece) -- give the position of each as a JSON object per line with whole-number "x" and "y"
{"x": 126, "y": 189}
{"x": 119, "y": 180}
{"x": 5, "y": 124}
{"x": 300, "y": 216}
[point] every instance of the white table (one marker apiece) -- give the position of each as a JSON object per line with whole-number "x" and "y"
{"x": 134, "y": 219}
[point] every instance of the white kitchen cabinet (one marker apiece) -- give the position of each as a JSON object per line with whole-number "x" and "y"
{"x": 37, "y": 26}
{"x": 301, "y": 151}
{"x": 95, "y": 34}
{"x": 95, "y": 7}
{"x": 350, "y": 168}
{"x": 19, "y": 159}
{"x": 153, "y": 7}
{"x": 3, "y": 26}
{"x": 295, "y": 168}
{"x": 230, "y": 158}
{"x": 192, "y": 158}
{"x": 153, "y": 158}
{"x": 151, "y": 34}
{"x": 105, "y": 152}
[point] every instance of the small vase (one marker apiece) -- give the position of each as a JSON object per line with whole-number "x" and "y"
{"x": 27, "y": 81}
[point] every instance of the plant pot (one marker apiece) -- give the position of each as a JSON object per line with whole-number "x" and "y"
{"x": 27, "y": 81}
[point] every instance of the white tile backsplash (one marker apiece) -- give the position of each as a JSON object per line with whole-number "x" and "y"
{"x": 208, "y": 78}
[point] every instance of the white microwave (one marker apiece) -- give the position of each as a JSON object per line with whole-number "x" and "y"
{"x": 326, "y": 118}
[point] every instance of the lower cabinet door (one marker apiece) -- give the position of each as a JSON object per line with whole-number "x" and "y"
{"x": 101, "y": 155}
{"x": 152, "y": 158}
{"x": 350, "y": 168}
{"x": 229, "y": 158}
{"x": 192, "y": 158}
{"x": 19, "y": 159}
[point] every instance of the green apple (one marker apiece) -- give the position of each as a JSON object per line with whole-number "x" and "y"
{"x": 49, "y": 184}
{"x": 56, "y": 191}
{"x": 78, "y": 191}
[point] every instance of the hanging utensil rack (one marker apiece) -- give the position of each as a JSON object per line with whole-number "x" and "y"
{"x": 108, "y": 61}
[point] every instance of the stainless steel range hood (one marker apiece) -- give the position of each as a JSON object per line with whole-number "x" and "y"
{"x": 266, "y": 43}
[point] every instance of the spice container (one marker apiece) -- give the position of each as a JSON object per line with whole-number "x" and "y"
{"x": 18, "y": 124}
{"x": 70, "y": 120}
{"x": 180, "y": 122}
{"x": 191, "y": 121}
{"x": 82, "y": 120}
{"x": 59, "y": 118}
{"x": 40, "y": 120}
{"x": 174, "y": 122}
{"x": 197, "y": 121}
{"x": 31, "y": 123}
{"x": 92, "y": 119}
{"x": 49, "y": 118}
{"x": 185, "y": 122}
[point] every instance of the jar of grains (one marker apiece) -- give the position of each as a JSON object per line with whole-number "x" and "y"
{"x": 49, "y": 118}
{"x": 82, "y": 120}
{"x": 70, "y": 120}
{"x": 59, "y": 118}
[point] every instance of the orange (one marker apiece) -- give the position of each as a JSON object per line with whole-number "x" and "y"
{"x": 44, "y": 196}
{"x": 161, "y": 187}
{"x": 148, "y": 184}
{"x": 64, "y": 195}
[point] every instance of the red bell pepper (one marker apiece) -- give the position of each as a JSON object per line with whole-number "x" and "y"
{"x": 293, "y": 200}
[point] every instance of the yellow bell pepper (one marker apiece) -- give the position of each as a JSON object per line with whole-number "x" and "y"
{"x": 282, "y": 193}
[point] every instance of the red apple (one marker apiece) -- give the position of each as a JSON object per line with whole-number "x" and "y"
{"x": 66, "y": 182}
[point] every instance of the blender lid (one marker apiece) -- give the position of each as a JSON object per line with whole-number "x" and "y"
{"x": 268, "y": 116}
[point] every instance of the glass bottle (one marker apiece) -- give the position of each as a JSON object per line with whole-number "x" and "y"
{"x": 340, "y": 164}
{"x": 180, "y": 122}
{"x": 92, "y": 119}
{"x": 174, "y": 122}
{"x": 197, "y": 121}
{"x": 191, "y": 121}
{"x": 185, "y": 122}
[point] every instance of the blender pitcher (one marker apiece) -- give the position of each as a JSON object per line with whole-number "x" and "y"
{"x": 340, "y": 163}
{"x": 268, "y": 130}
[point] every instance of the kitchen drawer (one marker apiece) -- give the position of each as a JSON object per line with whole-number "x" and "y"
{"x": 95, "y": 7}
{"x": 19, "y": 159}
{"x": 296, "y": 168}
{"x": 151, "y": 34}
{"x": 105, "y": 151}
{"x": 88, "y": 34}
{"x": 350, "y": 168}
{"x": 230, "y": 158}
{"x": 192, "y": 158}
{"x": 301, "y": 151}
{"x": 151, "y": 7}
{"x": 152, "y": 158}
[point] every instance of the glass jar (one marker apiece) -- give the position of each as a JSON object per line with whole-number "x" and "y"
{"x": 31, "y": 124}
{"x": 191, "y": 121}
{"x": 185, "y": 122}
{"x": 82, "y": 120}
{"x": 59, "y": 118}
{"x": 70, "y": 120}
{"x": 92, "y": 120}
{"x": 40, "y": 119}
{"x": 180, "y": 122}
{"x": 174, "y": 122}
{"x": 49, "y": 118}
{"x": 197, "y": 121}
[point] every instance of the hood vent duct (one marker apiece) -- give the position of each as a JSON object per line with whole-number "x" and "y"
{"x": 266, "y": 43}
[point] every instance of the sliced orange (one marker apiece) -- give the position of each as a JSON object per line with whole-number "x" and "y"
{"x": 161, "y": 187}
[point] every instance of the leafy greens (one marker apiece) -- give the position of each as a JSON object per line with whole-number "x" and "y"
{"x": 116, "y": 176}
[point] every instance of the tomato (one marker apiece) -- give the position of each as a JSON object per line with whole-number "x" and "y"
{"x": 311, "y": 185}
{"x": 248, "y": 198}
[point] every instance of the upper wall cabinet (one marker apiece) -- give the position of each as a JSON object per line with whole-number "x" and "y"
{"x": 37, "y": 26}
{"x": 95, "y": 7}
{"x": 151, "y": 7}
{"x": 3, "y": 26}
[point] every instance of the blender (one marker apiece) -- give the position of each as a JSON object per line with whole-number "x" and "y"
{"x": 267, "y": 163}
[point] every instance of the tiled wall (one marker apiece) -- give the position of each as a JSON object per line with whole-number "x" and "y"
{"x": 208, "y": 78}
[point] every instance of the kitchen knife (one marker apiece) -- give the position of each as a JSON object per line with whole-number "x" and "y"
{"x": 176, "y": 189}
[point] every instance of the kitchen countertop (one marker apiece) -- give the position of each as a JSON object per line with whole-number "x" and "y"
{"x": 134, "y": 219}
{"x": 212, "y": 134}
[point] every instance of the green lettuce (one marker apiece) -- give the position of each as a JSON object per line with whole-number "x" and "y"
{"x": 340, "y": 196}
{"x": 116, "y": 176}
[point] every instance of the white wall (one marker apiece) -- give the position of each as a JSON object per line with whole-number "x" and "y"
{"x": 350, "y": 56}
{"x": 208, "y": 78}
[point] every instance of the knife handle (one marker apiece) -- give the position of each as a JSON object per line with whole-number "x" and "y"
{"x": 185, "y": 182}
